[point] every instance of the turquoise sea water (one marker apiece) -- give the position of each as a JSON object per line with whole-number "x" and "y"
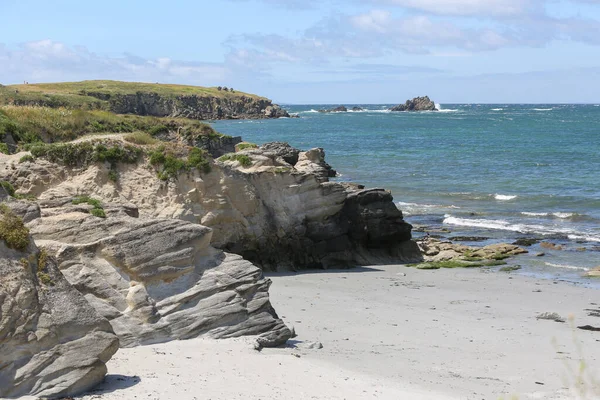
{"x": 497, "y": 171}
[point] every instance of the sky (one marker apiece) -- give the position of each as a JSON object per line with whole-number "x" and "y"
{"x": 316, "y": 51}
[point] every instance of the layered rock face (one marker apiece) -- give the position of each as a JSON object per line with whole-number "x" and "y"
{"x": 157, "y": 279}
{"x": 416, "y": 104}
{"x": 193, "y": 107}
{"x": 52, "y": 342}
{"x": 281, "y": 212}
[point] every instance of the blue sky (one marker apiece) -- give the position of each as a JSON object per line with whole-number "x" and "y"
{"x": 316, "y": 51}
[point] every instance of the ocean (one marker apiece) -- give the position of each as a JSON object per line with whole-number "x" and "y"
{"x": 498, "y": 172}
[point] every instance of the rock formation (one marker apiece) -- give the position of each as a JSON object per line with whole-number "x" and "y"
{"x": 52, "y": 342}
{"x": 157, "y": 280}
{"x": 357, "y": 109}
{"x": 277, "y": 209}
{"x": 435, "y": 250}
{"x": 416, "y": 104}
{"x": 275, "y": 111}
{"x": 336, "y": 109}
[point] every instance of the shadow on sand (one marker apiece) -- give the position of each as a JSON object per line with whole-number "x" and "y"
{"x": 112, "y": 383}
{"x": 323, "y": 271}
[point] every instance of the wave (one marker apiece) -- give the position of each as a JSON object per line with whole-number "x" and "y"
{"x": 561, "y": 215}
{"x": 543, "y": 109}
{"x": 504, "y": 197}
{"x": 566, "y": 266}
{"x": 521, "y": 228}
{"x": 419, "y": 209}
{"x": 587, "y": 238}
{"x": 497, "y": 109}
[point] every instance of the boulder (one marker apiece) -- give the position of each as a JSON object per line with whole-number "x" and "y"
{"x": 52, "y": 342}
{"x": 275, "y": 111}
{"x": 357, "y": 109}
{"x": 416, "y": 104}
{"x": 157, "y": 280}
{"x": 336, "y": 109}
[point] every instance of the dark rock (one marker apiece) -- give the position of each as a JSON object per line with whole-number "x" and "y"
{"x": 336, "y": 109}
{"x": 416, "y": 104}
{"x": 526, "y": 241}
{"x": 357, "y": 109}
{"x": 283, "y": 150}
{"x": 469, "y": 238}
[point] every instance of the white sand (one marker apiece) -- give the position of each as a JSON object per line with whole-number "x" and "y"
{"x": 446, "y": 334}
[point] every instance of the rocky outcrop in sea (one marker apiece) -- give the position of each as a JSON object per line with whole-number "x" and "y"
{"x": 416, "y": 104}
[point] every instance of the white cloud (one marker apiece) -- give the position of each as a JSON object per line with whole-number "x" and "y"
{"x": 500, "y": 8}
{"x": 47, "y": 60}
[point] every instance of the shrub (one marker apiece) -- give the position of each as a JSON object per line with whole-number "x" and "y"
{"x": 157, "y": 130}
{"x": 113, "y": 175}
{"x": 172, "y": 165}
{"x": 141, "y": 138}
{"x": 4, "y": 148}
{"x": 243, "y": 159}
{"x": 85, "y": 153}
{"x": 26, "y": 158}
{"x": 97, "y": 210}
{"x": 8, "y": 187}
{"x": 244, "y": 146}
{"x": 197, "y": 159}
{"x": 12, "y": 229}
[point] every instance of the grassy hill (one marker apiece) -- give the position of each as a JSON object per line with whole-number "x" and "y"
{"x": 160, "y": 100}
{"x": 90, "y": 88}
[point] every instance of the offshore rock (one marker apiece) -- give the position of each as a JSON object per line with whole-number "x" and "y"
{"x": 52, "y": 342}
{"x": 157, "y": 280}
{"x": 336, "y": 109}
{"x": 416, "y": 104}
{"x": 275, "y": 111}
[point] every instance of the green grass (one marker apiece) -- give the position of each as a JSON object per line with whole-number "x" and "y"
{"x": 26, "y": 158}
{"x": 12, "y": 229}
{"x": 44, "y": 124}
{"x": 141, "y": 138}
{"x": 98, "y": 88}
{"x": 245, "y": 146}
{"x": 96, "y": 211}
{"x": 8, "y": 187}
{"x": 86, "y": 153}
{"x": 170, "y": 165}
{"x": 4, "y": 148}
{"x": 243, "y": 159}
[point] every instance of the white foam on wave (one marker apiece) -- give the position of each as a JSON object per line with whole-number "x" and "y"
{"x": 543, "y": 109}
{"x": 414, "y": 208}
{"x": 497, "y": 109}
{"x": 567, "y": 266}
{"x": 504, "y": 197}
{"x": 587, "y": 238}
{"x": 498, "y": 224}
{"x": 439, "y": 108}
{"x": 561, "y": 215}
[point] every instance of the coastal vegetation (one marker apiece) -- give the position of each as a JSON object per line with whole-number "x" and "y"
{"x": 95, "y": 94}
{"x": 86, "y": 153}
{"x": 97, "y": 209}
{"x": 243, "y": 159}
{"x": 12, "y": 229}
{"x": 169, "y": 164}
{"x": 30, "y": 124}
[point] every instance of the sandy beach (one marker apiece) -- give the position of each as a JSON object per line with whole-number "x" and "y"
{"x": 388, "y": 333}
